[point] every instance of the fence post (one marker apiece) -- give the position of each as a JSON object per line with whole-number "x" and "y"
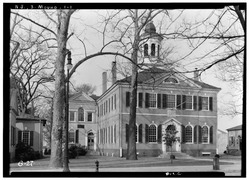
{"x": 97, "y": 166}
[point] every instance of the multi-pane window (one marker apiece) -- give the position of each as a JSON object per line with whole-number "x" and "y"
{"x": 89, "y": 116}
{"x": 170, "y": 101}
{"x": 152, "y": 133}
{"x": 152, "y": 100}
{"x": 204, "y": 134}
{"x": 71, "y": 137}
{"x": 204, "y": 101}
{"x": 26, "y": 137}
{"x": 80, "y": 114}
{"x": 71, "y": 115}
{"x": 188, "y": 134}
{"x": 189, "y": 102}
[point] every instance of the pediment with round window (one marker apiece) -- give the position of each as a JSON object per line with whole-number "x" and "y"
{"x": 171, "y": 80}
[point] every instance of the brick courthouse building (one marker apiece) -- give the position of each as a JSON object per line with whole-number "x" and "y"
{"x": 166, "y": 99}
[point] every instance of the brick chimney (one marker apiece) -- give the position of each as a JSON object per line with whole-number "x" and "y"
{"x": 104, "y": 82}
{"x": 113, "y": 70}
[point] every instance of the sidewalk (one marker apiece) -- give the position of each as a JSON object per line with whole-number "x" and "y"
{"x": 148, "y": 164}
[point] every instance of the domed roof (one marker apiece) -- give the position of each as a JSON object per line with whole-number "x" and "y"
{"x": 150, "y": 28}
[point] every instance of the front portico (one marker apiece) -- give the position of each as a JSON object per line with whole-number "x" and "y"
{"x": 171, "y": 124}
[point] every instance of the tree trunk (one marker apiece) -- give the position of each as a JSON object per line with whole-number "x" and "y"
{"x": 59, "y": 103}
{"x": 131, "y": 150}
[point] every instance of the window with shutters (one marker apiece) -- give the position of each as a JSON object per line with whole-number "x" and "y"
{"x": 204, "y": 134}
{"x": 152, "y": 133}
{"x": 152, "y": 100}
{"x": 189, "y": 102}
{"x": 80, "y": 115}
{"x": 189, "y": 134}
{"x": 90, "y": 116}
{"x": 26, "y": 137}
{"x": 140, "y": 99}
{"x": 71, "y": 136}
{"x": 170, "y": 101}
{"x": 204, "y": 103}
{"x": 71, "y": 116}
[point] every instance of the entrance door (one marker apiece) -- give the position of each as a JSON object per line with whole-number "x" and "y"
{"x": 175, "y": 144}
{"x": 90, "y": 141}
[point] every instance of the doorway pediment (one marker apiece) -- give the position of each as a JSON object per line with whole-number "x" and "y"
{"x": 171, "y": 121}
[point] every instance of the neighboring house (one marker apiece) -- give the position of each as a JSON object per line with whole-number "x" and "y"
{"x": 82, "y": 120}
{"x": 221, "y": 141}
{"x": 13, "y": 113}
{"x": 166, "y": 100}
{"x": 235, "y": 140}
{"x": 30, "y": 131}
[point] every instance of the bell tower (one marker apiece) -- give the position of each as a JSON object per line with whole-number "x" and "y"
{"x": 151, "y": 45}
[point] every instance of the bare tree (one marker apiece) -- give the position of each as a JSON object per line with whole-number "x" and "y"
{"x": 86, "y": 88}
{"x": 30, "y": 62}
{"x": 61, "y": 37}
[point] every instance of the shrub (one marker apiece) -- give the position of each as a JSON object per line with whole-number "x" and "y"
{"x": 82, "y": 150}
{"x": 26, "y": 153}
{"x": 76, "y": 150}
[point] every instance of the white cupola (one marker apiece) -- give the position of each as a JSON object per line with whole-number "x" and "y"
{"x": 151, "y": 45}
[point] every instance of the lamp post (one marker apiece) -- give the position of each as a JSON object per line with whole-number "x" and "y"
{"x": 66, "y": 158}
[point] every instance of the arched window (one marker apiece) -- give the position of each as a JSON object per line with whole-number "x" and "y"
{"x": 146, "y": 50}
{"x": 80, "y": 114}
{"x": 152, "y": 133}
{"x": 170, "y": 128}
{"x": 204, "y": 134}
{"x": 189, "y": 134}
{"x": 152, "y": 49}
{"x": 171, "y": 80}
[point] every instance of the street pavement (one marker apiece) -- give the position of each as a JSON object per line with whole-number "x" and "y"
{"x": 230, "y": 166}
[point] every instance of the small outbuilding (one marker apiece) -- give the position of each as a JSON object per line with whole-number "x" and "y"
{"x": 234, "y": 140}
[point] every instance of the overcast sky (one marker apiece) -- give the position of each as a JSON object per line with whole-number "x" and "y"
{"x": 85, "y": 23}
